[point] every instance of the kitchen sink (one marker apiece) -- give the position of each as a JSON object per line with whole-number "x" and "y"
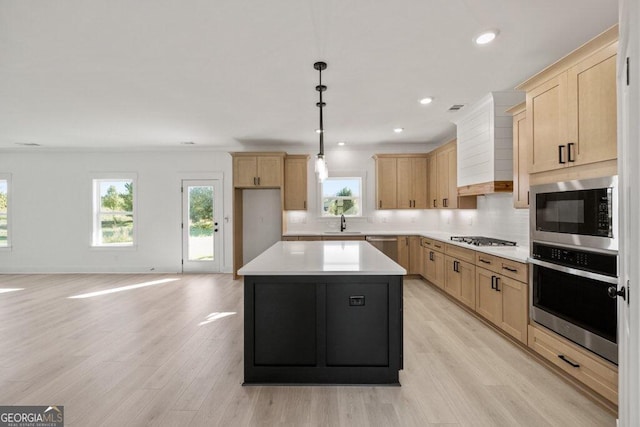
{"x": 343, "y": 232}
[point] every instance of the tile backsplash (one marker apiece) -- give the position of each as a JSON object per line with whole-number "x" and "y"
{"x": 494, "y": 217}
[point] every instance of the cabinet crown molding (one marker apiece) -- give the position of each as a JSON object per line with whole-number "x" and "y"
{"x": 601, "y": 41}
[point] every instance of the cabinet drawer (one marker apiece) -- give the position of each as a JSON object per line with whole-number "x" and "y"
{"x": 461, "y": 253}
{"x": 592, "y": 371}
{"x": 513, "y": 269}
{"x": 436, "y": 245}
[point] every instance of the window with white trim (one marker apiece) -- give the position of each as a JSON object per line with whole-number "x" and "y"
{"x": 341, "y": 196}
{"x": 113, "y": 212}
{"x": 4, "y": 212}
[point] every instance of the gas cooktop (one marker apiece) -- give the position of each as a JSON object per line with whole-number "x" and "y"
{"x": 482, "y": 241}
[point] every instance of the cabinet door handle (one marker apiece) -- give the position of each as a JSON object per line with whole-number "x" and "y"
{"x": 528, "y": 202}
{"x": 565, "y": 359}
{"x": 258, "y": 180}
{"x": 569, "y": 158}
{"x": 456, "y": 266}
{"x": 560, "y": 148}
{"x": 513, "y": 270}
{"x": 484, "y": 261}
{"x": 444, "y": 202}
{"x": 430, "y": 255}
{"x": 380, "y": 204}
{"x": 493, "y": 282}
{"x": 434, "y": 203}
{"x": 497, "y": 281}
{"x": 255, "y": 182}
{"x": 304, "y": 204}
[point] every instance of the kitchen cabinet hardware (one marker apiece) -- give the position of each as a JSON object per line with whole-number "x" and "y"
{"x": 560, "y": 148}
{"x": 380, "y": 204}
{"x": 305, "y": 204}
{"x": 445, "y": 203}
{"x": 493, "y": 282}
{"x": 567, "y": 360}
{"x": 437, "y": 246}
{"x": 430, "y": 255}
{"x": 569, "y": 158}
{"x": 497, "y": 283}
{"x": 255, "y": 182}
{"x": 456, "y": 266}
{"x": 528, "y": 202}
{"x": 484, "y": 261}
{"x": 513, "y": 270}
{"x": 434, "y": 203}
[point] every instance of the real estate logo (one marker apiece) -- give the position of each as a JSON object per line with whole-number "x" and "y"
{"x": 32, "y": 416}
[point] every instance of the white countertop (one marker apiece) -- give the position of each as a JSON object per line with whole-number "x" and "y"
{"x": 514, "y": 253}
{"x": 321, "y": 258}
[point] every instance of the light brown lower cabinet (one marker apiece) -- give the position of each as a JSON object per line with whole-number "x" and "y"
{"x": 596, "y": 373}
{"x": 416, "y": 261}
{"x": 460, "y": 278}
{"x": 502, "y": 301}
{"x": 434, "y": 267}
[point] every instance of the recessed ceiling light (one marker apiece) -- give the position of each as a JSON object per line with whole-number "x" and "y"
{"x": 341, "y": 143}
{"x": 188, "y": 143}
{"x": 398, "y": 130}
{"x": 318, "y": 131}
{"x": 486, "y": 37}
{"x": 427, "y": 100}
{"x": 28, "y": 144}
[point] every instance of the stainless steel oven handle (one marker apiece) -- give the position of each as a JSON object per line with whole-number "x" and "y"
{"x": 574, "y": 271}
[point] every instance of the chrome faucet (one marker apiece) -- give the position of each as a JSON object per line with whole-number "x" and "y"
{"x": 343, "y": 223}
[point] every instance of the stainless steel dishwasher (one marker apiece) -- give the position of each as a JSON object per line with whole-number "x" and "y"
{"x": 388, "y": 245}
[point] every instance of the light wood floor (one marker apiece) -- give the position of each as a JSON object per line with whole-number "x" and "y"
{"x": 144, "y": 357}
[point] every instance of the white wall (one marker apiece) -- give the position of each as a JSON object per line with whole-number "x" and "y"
{"x": 495, "y": 216}
{"x": 261, "y": 221}
{"x": 50, "y": 208}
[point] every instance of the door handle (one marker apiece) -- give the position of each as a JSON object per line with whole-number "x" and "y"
{"x": 497, "y": 281}
{"x": 513, "y": 270}
{"x": 380, "y": 204}
{"x": 258, "y": 180}
{"x": 484, "y": 261}
{"x": 255, "y": 181}
{"x": 613, "y": 292}
{"x": 434, "y": 203}
{"x": 560, "y": 148}
{"x": 430, "y": 255}
{"x": 444, "y": 203}
{"x": 569, "y": 158}
{"x": 493, "y": 282}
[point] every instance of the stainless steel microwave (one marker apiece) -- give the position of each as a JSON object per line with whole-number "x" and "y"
{"x": 579, "y": 213}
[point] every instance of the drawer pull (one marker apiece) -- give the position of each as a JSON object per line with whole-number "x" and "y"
{"x": 565, "y": 359}
{"x": 513, "y": 270}
{"x": 485, "y": 261}
{"x": 493, "y": 282}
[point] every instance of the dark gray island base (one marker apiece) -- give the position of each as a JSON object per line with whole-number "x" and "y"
{"x": 322, "y": 329}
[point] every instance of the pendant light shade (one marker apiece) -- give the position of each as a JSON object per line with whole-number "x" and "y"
{"x": 321, "y": 165}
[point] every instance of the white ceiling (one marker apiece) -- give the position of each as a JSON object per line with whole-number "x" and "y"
{"x": 154, "y": 73}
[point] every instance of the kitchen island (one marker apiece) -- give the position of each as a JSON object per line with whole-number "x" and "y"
{"x": 323, "y": 312}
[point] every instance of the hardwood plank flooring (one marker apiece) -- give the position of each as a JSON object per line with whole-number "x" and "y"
{"x": 159, "y": 355}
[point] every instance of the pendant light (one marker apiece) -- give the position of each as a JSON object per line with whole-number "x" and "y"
{"x": 321, "y": 164}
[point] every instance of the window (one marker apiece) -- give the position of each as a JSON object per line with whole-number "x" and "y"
{"x": 341, "y": 196}
{"x": 113, "y": 212}
{"x": 4, "y": 212}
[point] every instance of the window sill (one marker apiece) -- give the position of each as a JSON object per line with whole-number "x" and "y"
{"x": 114, "y": 247}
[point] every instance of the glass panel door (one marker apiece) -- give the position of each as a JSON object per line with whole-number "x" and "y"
{"x": 200, "y": 226}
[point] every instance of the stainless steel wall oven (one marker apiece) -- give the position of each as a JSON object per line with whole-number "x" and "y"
{"x": 571, "y": 294}
{"x": 574, "y": 257}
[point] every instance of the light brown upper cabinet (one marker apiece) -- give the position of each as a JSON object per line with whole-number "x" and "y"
{"x": 386, "y": 180}
{"x": 571, "y": 110}
{"x": 520, "y": 158}
{"x": 446, "y": 188}
{"x": 295, "y": 182}
{"x": 258, "y": 170}
{"x": 401, "y": 181}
